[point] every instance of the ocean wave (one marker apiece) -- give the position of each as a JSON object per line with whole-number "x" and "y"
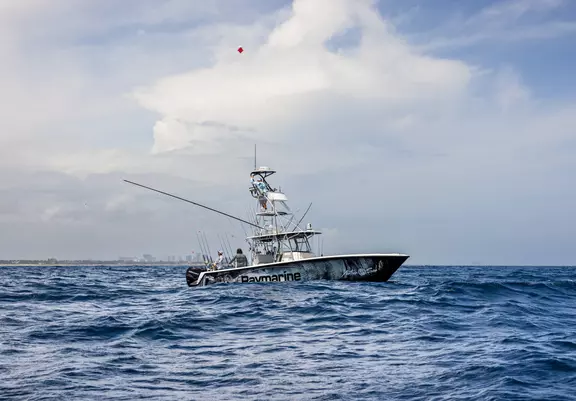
{"x": 445, "y": 333}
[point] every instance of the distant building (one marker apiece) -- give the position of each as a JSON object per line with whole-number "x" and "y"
{"x": 148, "y": 258}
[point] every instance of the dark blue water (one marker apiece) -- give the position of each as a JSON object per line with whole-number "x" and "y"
{"x": 433, "y": 333}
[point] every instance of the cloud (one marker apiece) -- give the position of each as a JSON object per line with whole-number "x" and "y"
{"x": 292, "y": 75}
{"x": 399, "y": 149}
{"x": 513, "y": 9}
{"x": 509, "y": 89}
{"x": 503, "y": 22}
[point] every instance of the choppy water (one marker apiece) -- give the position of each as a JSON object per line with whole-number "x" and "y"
{"x": 434, "y": 333}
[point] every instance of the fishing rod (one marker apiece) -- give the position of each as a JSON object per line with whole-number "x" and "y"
{"x": 194, "y": 203}
{"x": 203, "y": 235}
{"x": 305, "y": 213}
{"x": 225, "y": 250}
{"x": 202, "y": 249}
{"x": 226, "y": 241}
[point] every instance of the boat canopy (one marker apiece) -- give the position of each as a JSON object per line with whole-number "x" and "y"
{"x": 284, "y": 235}
{"x": 263, "y": 170}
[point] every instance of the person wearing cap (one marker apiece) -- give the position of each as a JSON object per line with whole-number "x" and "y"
{"x": 219, "y": 264}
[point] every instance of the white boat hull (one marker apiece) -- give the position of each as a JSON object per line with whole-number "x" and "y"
{"x": 369, "y": 267}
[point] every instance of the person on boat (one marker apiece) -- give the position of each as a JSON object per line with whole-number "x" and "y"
{"x": 262, "y": 188}
{"x": 239, "y": 260}
{"x": 263, "y": 202}
{"x": 263, "y": 198}
{"x": 219, "y": 264}
{"x": 259, "y": 184}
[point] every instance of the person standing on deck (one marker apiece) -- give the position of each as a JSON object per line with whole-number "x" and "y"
{"x": 239, "y": 260}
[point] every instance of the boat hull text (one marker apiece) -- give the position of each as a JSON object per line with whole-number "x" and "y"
{"x": 377, "y": 268}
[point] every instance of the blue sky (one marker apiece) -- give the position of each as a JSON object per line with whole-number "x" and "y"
{"x": 455, "y": 117}
{"x": 533, "y": 36}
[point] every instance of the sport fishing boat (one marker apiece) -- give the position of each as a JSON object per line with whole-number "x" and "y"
{"x": 281, "y": 251}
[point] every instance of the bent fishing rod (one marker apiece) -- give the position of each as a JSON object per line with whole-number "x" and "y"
{"x": 194, "y": 203}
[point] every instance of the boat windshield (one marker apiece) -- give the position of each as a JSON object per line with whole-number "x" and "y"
{"x": 299, "y": 244}
{"x": 282, "y": 207}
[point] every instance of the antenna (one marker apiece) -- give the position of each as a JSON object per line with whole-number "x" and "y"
{"x": 254, "y": 156}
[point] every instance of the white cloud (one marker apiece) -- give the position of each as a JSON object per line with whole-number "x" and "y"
{"x": 509, "y": 89}
{"x": 292, "y": 74}
{"x": 503, "y": 22}
{"x": 513, "y": 9}
{"x": 398, "y": 150}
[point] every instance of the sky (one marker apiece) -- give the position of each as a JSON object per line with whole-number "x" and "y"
{"x": 442, "y": 129}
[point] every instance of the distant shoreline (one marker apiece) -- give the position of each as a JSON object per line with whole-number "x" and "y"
{"x": 101, "y": 264}
{"x": 187, "y": 264}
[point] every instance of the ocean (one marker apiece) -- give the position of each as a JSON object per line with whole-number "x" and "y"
{"x": 431, "y": 333}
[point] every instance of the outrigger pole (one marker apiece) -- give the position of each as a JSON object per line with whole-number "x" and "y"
{"x": 305, "y": 213}
{"x": 194, "y": 203}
